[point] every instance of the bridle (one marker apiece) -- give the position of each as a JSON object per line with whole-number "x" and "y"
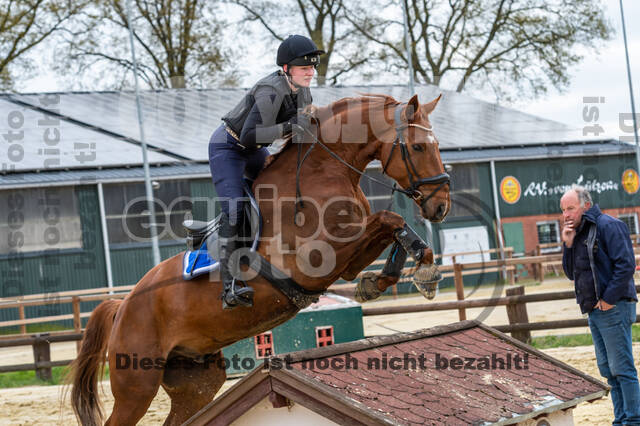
{"x": 416, "y": 182}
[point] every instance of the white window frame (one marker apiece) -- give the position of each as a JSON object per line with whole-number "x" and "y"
{"x": 549, "y": 249}
{"x": 634, "y": 215}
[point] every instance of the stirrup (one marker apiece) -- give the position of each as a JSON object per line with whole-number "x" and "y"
{"x": 233, "y": 296}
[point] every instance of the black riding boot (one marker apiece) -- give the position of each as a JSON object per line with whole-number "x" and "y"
{"x": 232, "y": 295}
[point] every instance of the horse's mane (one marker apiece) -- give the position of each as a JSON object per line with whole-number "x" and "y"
{"x": 368, "y": 100}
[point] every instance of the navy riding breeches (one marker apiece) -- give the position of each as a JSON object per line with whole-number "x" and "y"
{"x": 229, "y": 163}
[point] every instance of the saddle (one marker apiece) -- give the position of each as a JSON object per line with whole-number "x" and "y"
{"x": 202, "y": 252}
{"x": 202, "y": 247}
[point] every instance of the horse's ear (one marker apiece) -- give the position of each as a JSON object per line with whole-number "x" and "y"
{"x": 428, "y": 108}
{"x": 411, "y": 110}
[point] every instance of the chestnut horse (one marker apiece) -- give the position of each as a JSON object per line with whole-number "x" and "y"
{"x": 165, "y": 317}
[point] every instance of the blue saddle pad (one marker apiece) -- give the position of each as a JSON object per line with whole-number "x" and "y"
{"x": 198, "y": 262}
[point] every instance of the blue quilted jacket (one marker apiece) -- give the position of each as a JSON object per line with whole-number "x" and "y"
{"x": 614, "y": 261}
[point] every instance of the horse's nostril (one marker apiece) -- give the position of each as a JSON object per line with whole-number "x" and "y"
{"x": 441, "y": 211}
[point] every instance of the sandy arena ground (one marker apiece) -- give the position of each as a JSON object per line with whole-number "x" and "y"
{"x": 43, "y": 405}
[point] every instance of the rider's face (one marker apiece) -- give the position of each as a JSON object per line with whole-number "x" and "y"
{"x": 302, "y": 74}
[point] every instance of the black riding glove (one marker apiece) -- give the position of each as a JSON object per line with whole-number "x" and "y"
{"x": 299, "y": 125}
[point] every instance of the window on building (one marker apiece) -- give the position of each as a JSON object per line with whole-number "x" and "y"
{"x": 39, "y": 219}
{"x": 631, "y": 219}
{"x": 264, "y": 344}
{"x": 127, "y": 213}
{"x": 379, "y": 196}
{"x": 465, "y": 190}
{"x": 549, "y": 232}
{"x": 324, "y": 336}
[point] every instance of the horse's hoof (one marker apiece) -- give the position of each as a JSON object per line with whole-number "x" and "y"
{"x": 367, "y": 288}
{"x": 426, "y": 280}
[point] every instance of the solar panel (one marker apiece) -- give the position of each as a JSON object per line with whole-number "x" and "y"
{"x": 180, "y": 122}
{"x": 46, "y": 143}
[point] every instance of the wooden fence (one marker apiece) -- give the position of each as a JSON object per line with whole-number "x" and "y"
{"x": 515, "y": 302}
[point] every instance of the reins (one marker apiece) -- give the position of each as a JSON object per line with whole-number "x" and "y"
{"x": 412, "y": 191}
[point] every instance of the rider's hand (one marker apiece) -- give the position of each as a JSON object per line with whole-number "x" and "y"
{"x": 301, "y": 119}
{"x": 568, "y": 234}
{"x": 300, "y": 125}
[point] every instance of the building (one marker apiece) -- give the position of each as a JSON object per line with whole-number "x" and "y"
{"x": 462, "y": 373}
{"x": 332, "y": 320}
{"x": 70, "y": 175}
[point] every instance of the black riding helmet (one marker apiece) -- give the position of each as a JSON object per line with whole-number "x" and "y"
{"x": 298, "y": 50}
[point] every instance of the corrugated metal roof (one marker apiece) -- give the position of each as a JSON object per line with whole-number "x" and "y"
{"x": 80, "y": 177}
{"x": 537, "y": 152}
{"x": 180, "y": 122}
{"x": 69, "y": 145}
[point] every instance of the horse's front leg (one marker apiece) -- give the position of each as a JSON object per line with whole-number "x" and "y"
{"x": 381, "y": 229}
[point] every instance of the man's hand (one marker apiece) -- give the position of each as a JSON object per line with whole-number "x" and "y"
{"x": 568, "y": 233}
{"x": 603, "y": 306}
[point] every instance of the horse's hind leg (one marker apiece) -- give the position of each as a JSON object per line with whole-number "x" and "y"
{"x": 133, "y": 390}
{"x": 191, "y": 385}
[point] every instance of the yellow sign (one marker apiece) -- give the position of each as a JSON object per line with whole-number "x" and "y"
{"x": 510, "y": 189}
{"x": 630, "y": 181}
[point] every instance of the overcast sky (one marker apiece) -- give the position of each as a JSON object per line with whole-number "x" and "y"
{"x": 601, "y": 75}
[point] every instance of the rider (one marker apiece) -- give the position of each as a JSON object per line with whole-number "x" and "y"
{"x": 269, "y": 111}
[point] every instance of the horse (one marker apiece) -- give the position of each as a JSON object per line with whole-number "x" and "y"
{"x": 318, "y": 228}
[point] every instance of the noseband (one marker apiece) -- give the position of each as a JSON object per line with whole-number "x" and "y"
{"x": 415, "y": 181}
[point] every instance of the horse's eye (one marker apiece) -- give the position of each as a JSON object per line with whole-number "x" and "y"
{"x": 418, "y": 148}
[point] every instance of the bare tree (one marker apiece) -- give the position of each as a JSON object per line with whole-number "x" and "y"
{"x": 178, "y": 43}
{"x": 517, "y": 47}
{"x": 323, "y": 22}
{"x": 23, "y": 25}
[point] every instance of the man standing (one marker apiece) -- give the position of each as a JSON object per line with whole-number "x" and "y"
{"x": 598, "y": 257}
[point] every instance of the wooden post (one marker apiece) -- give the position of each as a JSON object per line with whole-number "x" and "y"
{"x": 42, "y": 353}
{"x": 517, "y": 313}
{"x": 510, "y": 269}
{"x": 23, "y": 327}
{"x": 77, "y": 321}
{"x": 457, "y": 278}
{"x": 540, "y": 265}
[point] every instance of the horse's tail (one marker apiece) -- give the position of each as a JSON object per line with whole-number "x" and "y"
{"x": 88, "y": 367}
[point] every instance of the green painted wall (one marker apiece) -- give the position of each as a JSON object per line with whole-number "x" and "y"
{"x": 129, "y": 264}
{"x": 543, "y": 182}
{"x": 299, "y": 334}
{"x": 475, "y": 209}
{"x": 55, "y": 271}
{"x": 203, "y": 193}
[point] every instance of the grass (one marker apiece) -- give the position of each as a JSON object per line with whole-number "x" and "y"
{"x": 571, "y": 340}
{"x": 19, "y": 379}
{"x": 36, "y": 328}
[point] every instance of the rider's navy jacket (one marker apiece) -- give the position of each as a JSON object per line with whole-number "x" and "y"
{"x": 614, "y": 261}
{"x": 260, "y": 117}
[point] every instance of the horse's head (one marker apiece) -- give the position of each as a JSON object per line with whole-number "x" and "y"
{"x": 413, "y": 158}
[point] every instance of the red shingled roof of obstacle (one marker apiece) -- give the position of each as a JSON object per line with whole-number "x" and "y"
{"x": 462, "y": 373}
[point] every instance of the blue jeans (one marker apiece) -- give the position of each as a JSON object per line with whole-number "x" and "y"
{"x": 611, "y": 331}
{"x": 229, "y": 163}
